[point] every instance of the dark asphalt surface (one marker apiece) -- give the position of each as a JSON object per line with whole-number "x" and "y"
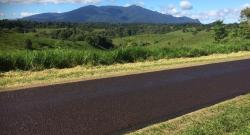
{"x": 119, "y": 104}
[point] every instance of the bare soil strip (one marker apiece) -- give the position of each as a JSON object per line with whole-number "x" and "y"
{"x": 119, "y": 104}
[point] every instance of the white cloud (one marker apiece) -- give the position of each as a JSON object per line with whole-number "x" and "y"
{"x": 246, "y": 5}
{"x": 135, "y": 2}
{"x": 140, "y": 3}
{"x": 171, "y": 10}
{"x": 25, "y": 14}
{"x": 1, "y": 14}
{"x": 186, "y": 5}
{"x": 229, "y": 15}
{"x": 127, "y": 5}
{"x": 50, "y": 1}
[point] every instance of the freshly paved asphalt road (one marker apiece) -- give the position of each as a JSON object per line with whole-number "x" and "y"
{"x": 115, "y": 105}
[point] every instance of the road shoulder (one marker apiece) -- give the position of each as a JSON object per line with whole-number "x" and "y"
{"x": 15, "y": 80}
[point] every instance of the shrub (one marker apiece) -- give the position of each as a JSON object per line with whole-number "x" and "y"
{"x": 28, "y": 44}
{"x": 100, "y": 42}
{"x": 219, "y": 31}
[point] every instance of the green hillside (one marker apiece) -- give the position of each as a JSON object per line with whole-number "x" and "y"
{"x": 10, "y": 41}
{"x": 38, "y": 46}
{"x": 172, "y": 39}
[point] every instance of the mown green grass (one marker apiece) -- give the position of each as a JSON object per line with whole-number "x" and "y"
{"x": 228, "y": 118}
{"x": 234, "y": 120}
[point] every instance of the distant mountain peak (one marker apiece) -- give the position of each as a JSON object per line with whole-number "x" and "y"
{"x": 135, "y": 6}
{"x": 111, "y": 14}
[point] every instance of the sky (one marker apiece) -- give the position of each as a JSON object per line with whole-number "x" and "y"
{"x": 206, "y": 11}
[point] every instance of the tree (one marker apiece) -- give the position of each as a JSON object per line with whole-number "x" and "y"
{"x": 99, "y": 42}
{"x": 184, "y": 30}
{"x": 79, "y": 37}
{"x": 245, "y": 23}
{"x": 28, "y": 44}
{"x": 195, "y": 32}
{"x": 245, "y": 14}
{"x": 219, "y": 31}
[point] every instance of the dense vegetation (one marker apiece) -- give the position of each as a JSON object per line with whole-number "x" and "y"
{"x": 34, "y": 46}
{"x": 37, "y": 60}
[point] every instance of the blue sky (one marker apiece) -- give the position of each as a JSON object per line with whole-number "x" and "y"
{"x": 205, "y": 10}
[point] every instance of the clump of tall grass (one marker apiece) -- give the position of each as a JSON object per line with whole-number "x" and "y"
{"x": 36, "y": 60}
{"x": 46, "y": 59}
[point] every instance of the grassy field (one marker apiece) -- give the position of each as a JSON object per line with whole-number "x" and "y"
{"x": 228, "y": 118}
{"x": 172, "y": 39}
{"x": 12, "y": 41}
{"x": 54, "y": 53}
{"x": 175, "y": 40}
{"x": 15, "y": 41}
{"x": 16, "y": 79}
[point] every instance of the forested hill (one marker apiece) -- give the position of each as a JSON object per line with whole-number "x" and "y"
{"x": 111, "y": 14}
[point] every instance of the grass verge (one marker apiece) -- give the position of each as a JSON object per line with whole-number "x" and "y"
{"x": 14, "y": 80}
{"x": 229, "y": 117}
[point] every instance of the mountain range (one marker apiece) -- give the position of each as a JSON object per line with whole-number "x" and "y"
{"x": 111, "y": 14}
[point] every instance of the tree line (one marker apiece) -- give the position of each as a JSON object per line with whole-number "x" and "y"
{"x": 237, "y": 30}
{"x": 111, "y": 30}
